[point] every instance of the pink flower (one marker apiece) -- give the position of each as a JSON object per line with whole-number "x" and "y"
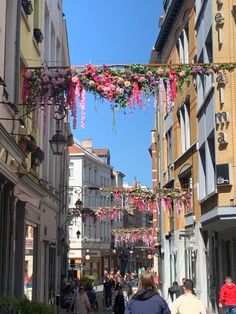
{"x": 75, "y": 79}
{"x": 91, "y": 83}
{"x": 60, "y": 80}
{"x": 149, "y": 73}
{"x": 120, "y": 90}
{"x": 120, "y": 80}
{"x": 136, "y": 77}
{"x": 142, "y": 79}
{"x": 127, "y": 84}
{"x": 45, "y": 78}
{"x": 160, "y": 71}
{"x": 28, "y": 74}
{"x": 182, "y": 73}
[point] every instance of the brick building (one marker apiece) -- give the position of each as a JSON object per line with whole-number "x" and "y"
{"x": 193, "y": 147}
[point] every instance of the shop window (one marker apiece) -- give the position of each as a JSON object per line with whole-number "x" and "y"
{"x": 30, "y": 262}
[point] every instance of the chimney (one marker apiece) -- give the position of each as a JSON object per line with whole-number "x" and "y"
{"x": 135, "y": 183}
{"x": 88, "y": 144}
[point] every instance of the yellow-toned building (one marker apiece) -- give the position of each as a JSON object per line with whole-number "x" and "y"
{"x": 193, "y": 148}
{"x": 34, "y": 199}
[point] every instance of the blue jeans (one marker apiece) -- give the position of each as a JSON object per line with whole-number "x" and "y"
{"x": 230, "y": 309}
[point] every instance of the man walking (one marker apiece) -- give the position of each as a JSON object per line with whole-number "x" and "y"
{"x": 188, "y": 303}
{"x": 228, "y": 296}
{"x": 175, "y": 291}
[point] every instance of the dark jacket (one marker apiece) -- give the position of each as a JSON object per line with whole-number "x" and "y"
{"x": 147, "y": 301}
{"x": 119, "y": 306}
{"x": 107, "y": 288}
{"x": 175, "y": 290}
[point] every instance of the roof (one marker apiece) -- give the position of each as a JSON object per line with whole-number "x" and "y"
{"x": 101, "y": 151}
{"x": 168, "y": 23}
{"x": 75, "y": 149}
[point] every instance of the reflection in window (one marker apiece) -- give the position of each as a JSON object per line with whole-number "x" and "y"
{"x": 29, "y": 261}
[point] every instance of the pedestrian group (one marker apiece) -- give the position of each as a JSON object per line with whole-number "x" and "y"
{"x": 132, "y": 294}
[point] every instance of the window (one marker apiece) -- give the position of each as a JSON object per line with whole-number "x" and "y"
{"x": 71, "y": 198}
{"x": 186, "y": 182}
{"x": 89, "y": 178}
{"x": 202, "y": 172}
{"x": 183, "y": 46}
{"x": 95, "y": 176}
{"x": 184, "y": 121}
{"x": 71, "y": 169}
{"x": 169, "y": 147}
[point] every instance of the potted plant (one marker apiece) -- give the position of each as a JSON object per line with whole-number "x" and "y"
{"x": 27, "y": 6}
{"x": 27, "y": 144}
{"x": 38, "y": 35}
{"x": 37, "y": 156}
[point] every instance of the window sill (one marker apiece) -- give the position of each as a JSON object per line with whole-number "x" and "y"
{"x": 185, "y": 153}
{"x": 206, "y": 198}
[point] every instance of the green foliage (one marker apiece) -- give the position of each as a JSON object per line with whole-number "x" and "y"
{"x": 8, "y": 304}
{"x": 16, "y": 306}
{"x": 27, "y": 307}
{"x": 88, "y": 278}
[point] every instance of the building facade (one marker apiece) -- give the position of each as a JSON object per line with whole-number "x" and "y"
{"x": 32, "y": 198}
{"x": 193, "y": 148}
{"x": 90, "y": 170}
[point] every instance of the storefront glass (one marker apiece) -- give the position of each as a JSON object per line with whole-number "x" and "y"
{"x": 29, "y": 261}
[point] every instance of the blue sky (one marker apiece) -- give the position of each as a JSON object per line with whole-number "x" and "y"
{"x": 115, "y": 32}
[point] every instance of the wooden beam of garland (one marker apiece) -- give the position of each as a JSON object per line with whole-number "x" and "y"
{"x": 123, "y": 85}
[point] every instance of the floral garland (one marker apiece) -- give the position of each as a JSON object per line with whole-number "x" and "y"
{"x": 123, "y": 86}
{"x": 132, "y": 235}
{"x": 150, "y": 200}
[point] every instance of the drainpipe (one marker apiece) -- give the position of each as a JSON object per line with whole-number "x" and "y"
{"x": 17, "y": 60}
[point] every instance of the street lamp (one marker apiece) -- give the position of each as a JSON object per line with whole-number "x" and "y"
{"x": 58, "y": 143}
{"x": 79, "y": 204}
{"x": 87, "y": 256}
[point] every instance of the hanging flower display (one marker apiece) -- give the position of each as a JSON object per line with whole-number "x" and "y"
{"x": 114, "y": 213}
{"x": 150, "y": 200}
{"x": 132, "y": 235}
{"x": 44, "y": 87}
{"x": 123, "y": 86}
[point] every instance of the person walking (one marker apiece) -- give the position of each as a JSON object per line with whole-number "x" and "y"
{"x": 228, "y": 296}
{"x": 80, "y": 302}
{"x": 147, "y": 299}
{"x": 119, "y": 306}
{"x": 175, "y": 291}
{"x": 92, "y": 298}
{"x": 108, "y": 293}
{"x": 188, "y": 302}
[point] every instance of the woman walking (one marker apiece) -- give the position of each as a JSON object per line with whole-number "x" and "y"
{"x": 80, "y": 302}
{"x": 147, "y": 299}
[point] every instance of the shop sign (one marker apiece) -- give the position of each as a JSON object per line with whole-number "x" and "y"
{"x": 93, "y": 253}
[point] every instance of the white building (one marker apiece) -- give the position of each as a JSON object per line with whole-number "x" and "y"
{"x": 90, "y": 169}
